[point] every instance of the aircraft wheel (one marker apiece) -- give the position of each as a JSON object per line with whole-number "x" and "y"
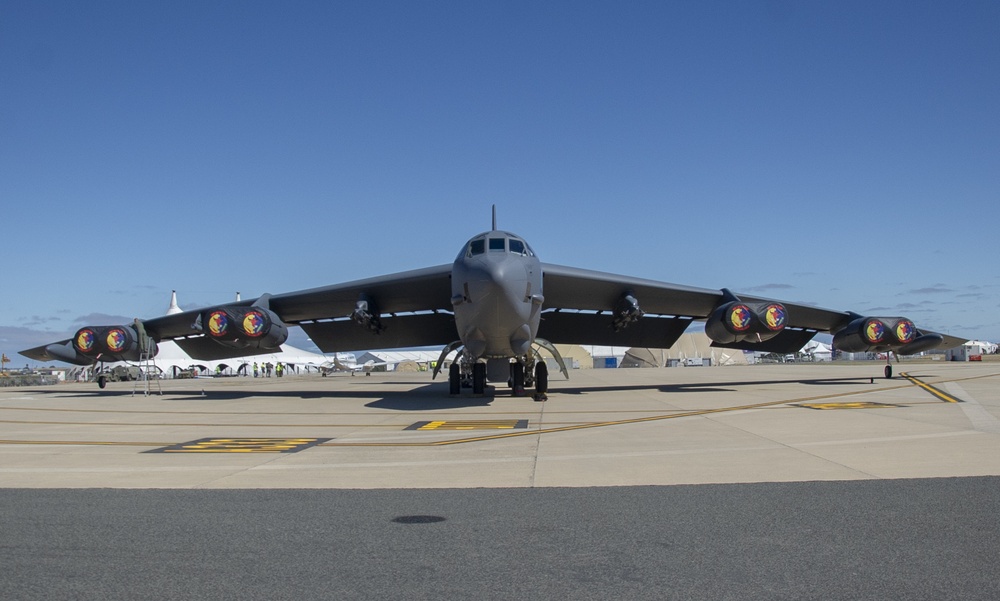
{"x": 455, "y": 379}
{"x": 541, "y": 377}
{"x": 478, "y": 378}
{"x": 517, "y": 378}
{"x": 888, "y": 371}
{"x": 102, "y": 381}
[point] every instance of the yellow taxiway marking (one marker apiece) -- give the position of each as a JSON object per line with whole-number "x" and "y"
{"x": 87, "y": 443}
{"x": 480, "y": 424}
{"x": 938, "y": 393}
{"x": 858, "y": 405}
{"x": 324, "y": 442}
{"x": 637, "y": 420}
{"x": 242, "y": 445}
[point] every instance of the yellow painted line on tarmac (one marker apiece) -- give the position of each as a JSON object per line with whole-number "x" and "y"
{"x": 673, "y": 415}
{"x": 476, "y": 424}
{"x": 944, "y": 396}
{"x": 242, "y": 445}
{"x": 859, "y": 405}
{"x": 605, "y": 424}
{"x": 184, "y": 425}
{"x": 86, "y": 443}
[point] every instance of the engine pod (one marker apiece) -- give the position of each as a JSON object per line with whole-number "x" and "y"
{"x": 737, "y": 321}
{"x": 875, "y": 334}
{"x": 109, "y": 343}
{"x": 240, "y": 327}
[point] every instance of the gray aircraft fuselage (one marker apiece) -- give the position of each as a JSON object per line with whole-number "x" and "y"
{"x": 496, "y": 287}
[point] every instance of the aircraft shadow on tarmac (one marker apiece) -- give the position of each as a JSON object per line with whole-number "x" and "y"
{"x": 423, "y": 398}
{"x": 710, "y": 386}
{"x": 431, "y": 397}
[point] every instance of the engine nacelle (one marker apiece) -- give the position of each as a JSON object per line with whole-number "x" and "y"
{"x": 110, "y": 343}
{"x": 878, "y": 334}
{"x": 242, "y": 327}
{"x": 738, "y": 321}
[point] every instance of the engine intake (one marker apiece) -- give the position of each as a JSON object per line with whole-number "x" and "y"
{"x": 737, "y": 321}
{"x": 877, "y": 334}
{"x": 242, "y": 327}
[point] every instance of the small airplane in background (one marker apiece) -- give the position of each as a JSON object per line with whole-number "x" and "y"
{"x": 338, "y": 366}
{"x": 495, "y": 305}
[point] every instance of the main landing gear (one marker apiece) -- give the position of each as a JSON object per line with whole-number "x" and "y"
{"x": 466, "y": 374}
{"x": 528, "y": 374}
{"x": 522, "y": 373}
{"x": 533, "y": 373}
{"x": 472, "y": 376}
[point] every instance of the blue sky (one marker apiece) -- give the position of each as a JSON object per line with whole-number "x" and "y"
{"x": 842, "y": 154}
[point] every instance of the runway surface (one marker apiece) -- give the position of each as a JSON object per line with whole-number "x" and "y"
{"x": 766, "y": 482}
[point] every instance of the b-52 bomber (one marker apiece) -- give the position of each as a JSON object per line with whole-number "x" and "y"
{"x": 495, "y": 305}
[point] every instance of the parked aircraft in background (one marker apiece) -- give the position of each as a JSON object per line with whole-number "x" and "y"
{"x": 337, "y": 365}
{"x": 495, "y": 305}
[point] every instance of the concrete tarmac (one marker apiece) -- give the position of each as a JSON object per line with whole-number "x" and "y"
{"x": 600, "y": 428}
{"x": 763, "y": 482}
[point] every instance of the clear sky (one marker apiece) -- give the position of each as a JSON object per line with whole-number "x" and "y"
{"x": 845, "y": 154}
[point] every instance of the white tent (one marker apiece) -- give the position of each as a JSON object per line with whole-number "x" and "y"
{"x": 818, "y": 351}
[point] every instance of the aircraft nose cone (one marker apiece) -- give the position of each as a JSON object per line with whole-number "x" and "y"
{"x": 498, "y": 278}
{"x": 493, "y": 308}
{"x": 500, "y": 272}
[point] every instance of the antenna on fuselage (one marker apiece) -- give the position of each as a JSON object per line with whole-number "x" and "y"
{"x": 494, "y": 218}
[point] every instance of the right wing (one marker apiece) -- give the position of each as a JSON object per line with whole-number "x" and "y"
{"x": 580, "y": 303}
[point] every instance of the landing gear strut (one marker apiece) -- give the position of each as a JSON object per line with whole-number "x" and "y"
{"x": 888, "y": 365}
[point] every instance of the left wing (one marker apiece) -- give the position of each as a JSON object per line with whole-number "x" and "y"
{"x": 582, "y": 306}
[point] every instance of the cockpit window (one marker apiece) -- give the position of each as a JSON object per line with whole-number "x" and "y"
{"x": 520, "y": 247}
{"x": 508, "y": 243}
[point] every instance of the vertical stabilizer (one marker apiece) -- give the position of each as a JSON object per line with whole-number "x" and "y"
{"x": 494, "y": 217}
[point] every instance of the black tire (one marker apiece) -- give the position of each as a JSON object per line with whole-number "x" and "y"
{"x": 102, "y": 381}
{"x": 478, "y": 378}
{"x": 541, "y": 377}
{"x": 454, "y": 379}
{"x": 888, "y": 371}
{"x": 517, "y": 378}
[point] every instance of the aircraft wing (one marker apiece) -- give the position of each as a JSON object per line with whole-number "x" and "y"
{"x": 56, "y": 351}
{"x": 579, "y": 304}
{"x": 414, "y": 301}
